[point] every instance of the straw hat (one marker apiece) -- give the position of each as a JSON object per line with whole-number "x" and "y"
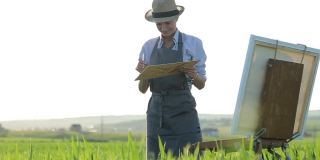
{"x": 164, "y": 10}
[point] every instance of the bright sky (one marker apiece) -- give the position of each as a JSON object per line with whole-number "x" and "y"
{"x": 71, "y": 58}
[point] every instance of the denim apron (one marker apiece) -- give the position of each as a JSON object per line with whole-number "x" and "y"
{"x": 171, "y": 113}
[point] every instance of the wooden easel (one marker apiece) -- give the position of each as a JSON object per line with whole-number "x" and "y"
{"x": 278, "y": 107}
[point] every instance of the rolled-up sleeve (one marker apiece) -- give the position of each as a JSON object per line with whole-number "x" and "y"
{"x": 202, "y": 57}
{"x": 194, "y": 51}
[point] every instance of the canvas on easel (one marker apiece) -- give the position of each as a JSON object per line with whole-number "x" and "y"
{"x": 275, "y": 88}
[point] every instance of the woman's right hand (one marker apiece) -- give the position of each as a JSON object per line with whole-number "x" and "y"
{"x": 141, "y": 65}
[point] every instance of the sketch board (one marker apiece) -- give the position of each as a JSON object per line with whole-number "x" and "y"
{"x": 260, "y": 51}
{"x": 161, "y": 70}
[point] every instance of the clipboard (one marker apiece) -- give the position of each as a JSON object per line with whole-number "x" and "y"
{"x": 161, "y": 70}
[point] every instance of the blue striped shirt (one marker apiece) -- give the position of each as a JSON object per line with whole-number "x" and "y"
{"x": 192, "y": 50}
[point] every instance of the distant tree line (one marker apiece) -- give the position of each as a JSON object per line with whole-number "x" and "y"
{"x": 3, "y": 131}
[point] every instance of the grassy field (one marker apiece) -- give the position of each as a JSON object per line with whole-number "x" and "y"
{"x": 77, "y": 148}
{"x": 73, "y": 149}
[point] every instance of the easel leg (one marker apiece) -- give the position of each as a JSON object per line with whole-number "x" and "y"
{"x": 284, "y": 149}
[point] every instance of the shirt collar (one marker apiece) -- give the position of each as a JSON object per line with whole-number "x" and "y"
{"x": 175, "y": 39}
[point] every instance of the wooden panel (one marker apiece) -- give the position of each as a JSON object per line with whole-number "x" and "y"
{"x": 279, "y": 98}
{"x": 227, "y": 145}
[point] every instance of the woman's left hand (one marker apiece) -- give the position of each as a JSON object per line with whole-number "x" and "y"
{"x": 192, "y": 72}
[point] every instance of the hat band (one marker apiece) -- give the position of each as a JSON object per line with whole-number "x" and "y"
{"x": 164, "y": 14}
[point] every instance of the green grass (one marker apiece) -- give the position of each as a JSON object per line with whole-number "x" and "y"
{"x": 74, "y": 149}
{"x": 77, "y": 148}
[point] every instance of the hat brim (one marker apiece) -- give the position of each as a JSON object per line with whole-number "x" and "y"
{"x": 149, "y": 17}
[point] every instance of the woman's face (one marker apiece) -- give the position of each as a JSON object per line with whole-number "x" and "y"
{"x": 167, "y": 28}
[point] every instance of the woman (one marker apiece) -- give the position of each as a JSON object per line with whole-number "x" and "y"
{"x": 171, "y": 113}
